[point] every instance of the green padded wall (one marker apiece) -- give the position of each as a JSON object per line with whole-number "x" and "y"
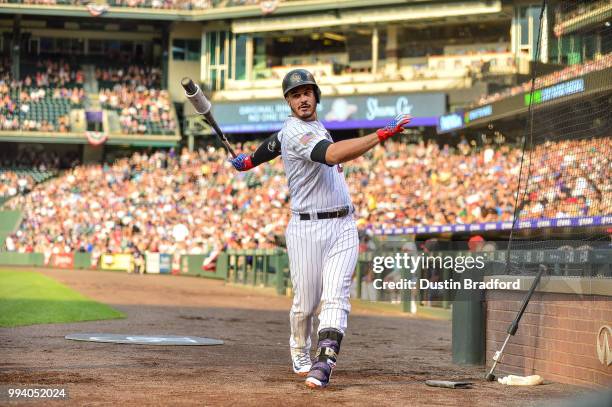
{"x": 9, "y": 220}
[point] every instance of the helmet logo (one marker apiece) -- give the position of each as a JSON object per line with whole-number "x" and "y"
{"x": 296, "y": 77}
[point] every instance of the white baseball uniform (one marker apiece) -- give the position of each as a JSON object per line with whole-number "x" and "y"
{"x": 322, "y": 252}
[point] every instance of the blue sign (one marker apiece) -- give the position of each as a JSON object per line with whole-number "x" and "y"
{"x": 479, "y": 113}
{"x": 555, "y": 92}
{"x": 450, "y": 122}
{"x": 563, "y": 89}
{"x": 165, "y": 263}
{"x": 489, "y": 226}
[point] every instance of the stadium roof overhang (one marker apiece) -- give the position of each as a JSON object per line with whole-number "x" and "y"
{"x": 417, "y": 11}
{"x": 584, "y": 20}
{"x": 518, "y": 105}
{"x": 291, "y": 14}
{"x": 221, "y": 13}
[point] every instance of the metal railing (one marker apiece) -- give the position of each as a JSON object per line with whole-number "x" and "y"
{"x": 260, "y": 267}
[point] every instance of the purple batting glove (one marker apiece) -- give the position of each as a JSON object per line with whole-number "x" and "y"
{"x": 242, "y": 162}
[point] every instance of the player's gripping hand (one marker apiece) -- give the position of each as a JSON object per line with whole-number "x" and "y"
{"x": 242, "y": 162}
{"x": 393, "y": 127}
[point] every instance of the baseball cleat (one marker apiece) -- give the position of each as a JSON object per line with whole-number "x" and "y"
{"x": 301, "y": 363}
{"x": 327, "y": 354}
{"x": 319, "y": 375}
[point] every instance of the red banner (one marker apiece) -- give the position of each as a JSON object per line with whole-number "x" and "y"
{"x": 97, "y": 10}
{"x": 62, "y": 261}
{"x": 95, "y": 138}
{"x": 268, "y": 6}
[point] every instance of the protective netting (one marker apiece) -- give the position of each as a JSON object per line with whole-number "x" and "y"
{"x": 566, "y": 169}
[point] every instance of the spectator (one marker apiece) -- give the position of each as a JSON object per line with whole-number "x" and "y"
{"x": 193, "y": 202}
{"x": 565, "y": 74}
{"x": 20, "y": 100}
{"x": 134, "y": 93}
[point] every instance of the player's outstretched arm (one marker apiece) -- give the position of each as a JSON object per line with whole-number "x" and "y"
{"x": 267, "y": 151}
{"x": 347, "y": 150}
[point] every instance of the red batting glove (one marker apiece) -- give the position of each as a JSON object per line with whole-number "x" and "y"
{"x": 395, "y": 126}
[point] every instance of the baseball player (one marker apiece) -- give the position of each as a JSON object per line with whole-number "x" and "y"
{"x": 321, "y": 236}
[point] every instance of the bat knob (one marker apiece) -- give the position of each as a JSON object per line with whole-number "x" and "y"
{"x": 189, "y": 86}
{"x": 490, "y": 377}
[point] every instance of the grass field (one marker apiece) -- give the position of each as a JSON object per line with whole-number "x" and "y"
{"x": 28, "y": 298}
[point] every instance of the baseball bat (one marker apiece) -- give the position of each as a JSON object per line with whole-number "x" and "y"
{"x": 515, "y": 324}
{"x": 202, "y": 106}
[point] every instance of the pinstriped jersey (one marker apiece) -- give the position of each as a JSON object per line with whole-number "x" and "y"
{"x": 313, "y": 187}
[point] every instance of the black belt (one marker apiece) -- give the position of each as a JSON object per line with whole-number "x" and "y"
{"x": 340, "y": 213}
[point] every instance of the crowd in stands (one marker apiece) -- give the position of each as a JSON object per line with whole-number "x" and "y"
{"x": 133, "y": 75}
{"x": 20, "y": 171}
{"x": 13, "y": 183}
{"x": 156, "y": 4}
{"x": 141, "y": 110}
{"x": 424, "y": 184}
{"x": 196, "y": 202}
{"x": 41, "y": 100}
{"x": 134, "y": 93}
{"x": 188, "y": 202}
{"x": 565, "y": 74}
{"x": 164, "y": 4}
{"x": 42, "y": 2}
{"x": 54, "y": 74}
{"x": 569, "y": 178}
{"x": 39, "y": 160}
{"x": 9, "y": 119}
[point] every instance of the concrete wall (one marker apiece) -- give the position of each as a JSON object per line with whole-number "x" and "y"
{"x": 9, "y": 220}
{"x": 179, "y": 69}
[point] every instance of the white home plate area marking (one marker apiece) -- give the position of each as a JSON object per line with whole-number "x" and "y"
{"x": 146, "y": 339}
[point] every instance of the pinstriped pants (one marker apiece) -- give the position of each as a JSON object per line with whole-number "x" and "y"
{"x": 322, "y": 258}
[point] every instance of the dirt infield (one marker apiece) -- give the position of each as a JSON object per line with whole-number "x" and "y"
{"x": 385, "y": 357}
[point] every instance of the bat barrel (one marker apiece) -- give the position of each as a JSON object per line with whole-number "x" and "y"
{"x": 195, "y": 96}
{"x": 203, "y": 106}
{"x": 189, "y": 86}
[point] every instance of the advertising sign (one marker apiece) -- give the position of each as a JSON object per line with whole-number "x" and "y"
{"x": 340, "y": 112}
{"x": 62, "y": 260}
{"x": 555, "y": 92}
{"x": 449, "y": 122}
{"x": 121, "y": 262}
{"x": 479, "y": 113}
{"x": 524, "y": 224}
{"x": 165, "y": 263}
{"x": 152, "y": 263}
